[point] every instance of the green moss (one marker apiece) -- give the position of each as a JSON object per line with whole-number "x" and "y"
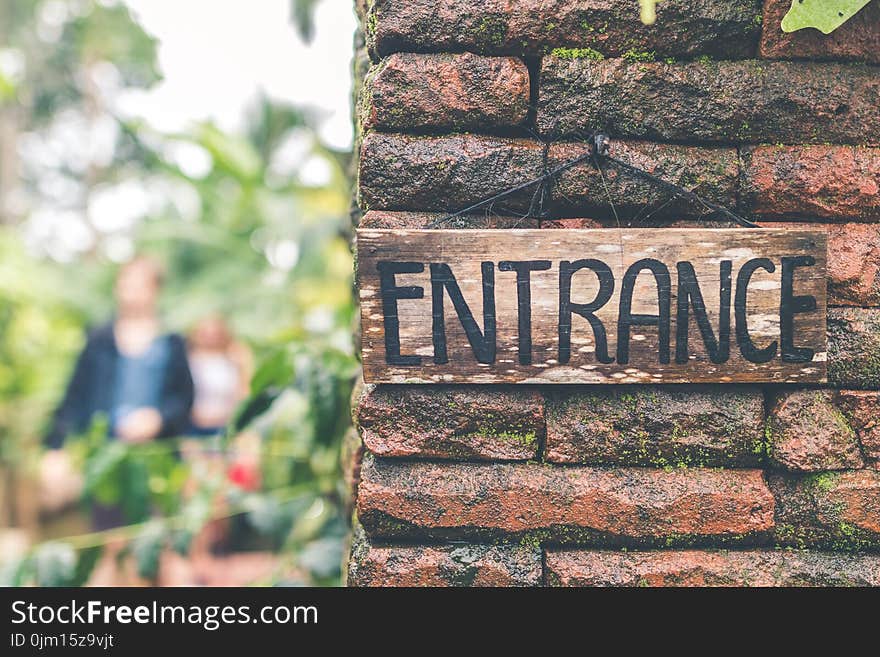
{"x": 633, "y": 55}
{"x": 677, "y": 432}
{"x": 629, "y": 402}
{"x": 850, "y": 538}
{"x": 841, "y": 421}
{"x": 372, "y": 22}
{"x": 535, "y": 539}
{"x": 759, "y": 447}
{"x": 846, "y": 529}
{"x": 526, "y": 439}
{"x": 825, "y": 481}
{"x": 577, "y": 53}
{"x": 492, "y": 30}
{"x": 791, "y": 535}
{"x": 703, "y": 59}
{"x": 387, "y": 525}
{"x": 850, "y": 358}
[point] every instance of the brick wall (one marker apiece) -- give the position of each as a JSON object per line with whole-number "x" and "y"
{"x": 626, "y": 485}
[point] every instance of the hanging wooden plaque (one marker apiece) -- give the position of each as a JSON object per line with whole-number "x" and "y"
{"x": 592, "y": 306}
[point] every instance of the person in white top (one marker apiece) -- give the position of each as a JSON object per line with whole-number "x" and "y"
{"x": 221, "y": 370}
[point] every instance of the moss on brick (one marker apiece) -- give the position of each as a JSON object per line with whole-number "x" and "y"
{"x": 578, "y": 53}
{"x": 491, "y": 31}
{"x": 633, "y": 55}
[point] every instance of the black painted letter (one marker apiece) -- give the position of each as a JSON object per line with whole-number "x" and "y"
{"x": 482, "y": 343}
{"x": 789, "y": 306}
{"x": 523, "y": 271}
{"x": 390, "y": 295}
{"x": 749, "y": 351}
{"x": 626, "y": 319}
{"x": 585, "y": 310}
{"x": 689, "y": 293}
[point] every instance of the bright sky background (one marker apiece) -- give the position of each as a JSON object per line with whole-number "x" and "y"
{"x": 216, "y": 55}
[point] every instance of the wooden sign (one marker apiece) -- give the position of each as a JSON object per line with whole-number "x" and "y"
{"x": 592, "y": 306}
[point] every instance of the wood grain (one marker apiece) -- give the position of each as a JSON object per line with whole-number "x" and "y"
{"x": 464, "y": 251}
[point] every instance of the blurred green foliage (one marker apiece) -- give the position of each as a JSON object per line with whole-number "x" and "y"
{"x": 256, "y": 230}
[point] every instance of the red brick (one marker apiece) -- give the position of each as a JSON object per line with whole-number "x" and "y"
{"x": 857, "y": 39}
{"x": 451, "y": 422}
{"x": 854, "y": 265}
{"x": 623, "y": 506}
{"x": 808, "y": 433}
{"x": 710, "y": 172}
{"x": 653, "y": 425}
{"x": 837, "y": 510}
{"x": 385, "y": 219}
{"x": 704, "y": 568}
{"x": 403, "y": 172}
{"x": 829, "y": 182}
{"x": 535, "y": 26}
{"x": 862, "y": 409}
{"x": 728, "y": 101}
{"x": 409, "y": 91}
{"x": 854, "y": 348}
{"x": 853, "y": 260}
{"x": 443, "y": 565}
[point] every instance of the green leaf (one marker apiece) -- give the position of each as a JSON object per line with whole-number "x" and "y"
{"x": 193, "y": 517}
{"x": 269, "y": 516}
{"x": 303, "y": 16}
{"x": 181, "y": 541}
{"x": 55, "y": 564}
{"x": 255, "y": 406}
{"x": 15, "y": 571}
{"x": 7, "y": 88}
{"x": 88, "y": 557}
{"x": 322, "y": 557}
{"x": 147, "y": 548}
{"x": 235, "y": 155}
{"x": 824, "y": 15}
{"x": 101, "y": 472}
{"x": 134, "y": 489}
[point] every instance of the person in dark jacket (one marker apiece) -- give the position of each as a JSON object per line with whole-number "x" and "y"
{"x": 129, "y": 371}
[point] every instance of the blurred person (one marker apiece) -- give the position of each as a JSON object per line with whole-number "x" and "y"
{"x": 129, "y": 371}
{"x": 221, "y": 368}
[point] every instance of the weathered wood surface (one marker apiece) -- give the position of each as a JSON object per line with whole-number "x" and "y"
{"x": 774, "y": 312}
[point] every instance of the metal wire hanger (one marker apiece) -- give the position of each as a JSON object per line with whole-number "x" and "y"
{"x": 599, "y": 152}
